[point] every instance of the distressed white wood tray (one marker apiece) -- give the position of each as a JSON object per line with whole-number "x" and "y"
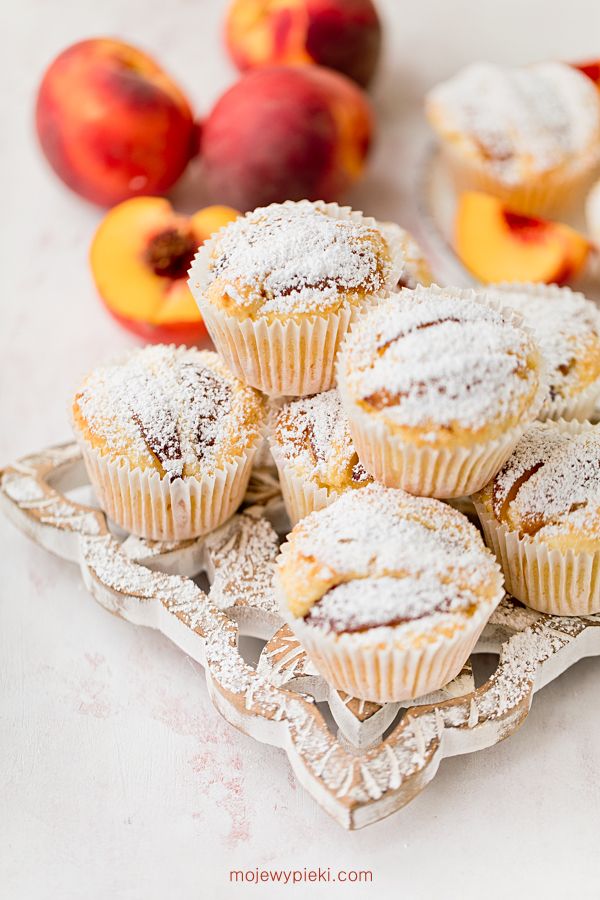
{"x": 375, "y": 759}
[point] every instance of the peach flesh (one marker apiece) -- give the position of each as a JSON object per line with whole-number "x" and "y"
{"x": 497, "y": 244}
{"x": 140, "y": 256}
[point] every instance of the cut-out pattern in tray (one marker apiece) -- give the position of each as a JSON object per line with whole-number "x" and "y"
{"x": 380, "y": 757}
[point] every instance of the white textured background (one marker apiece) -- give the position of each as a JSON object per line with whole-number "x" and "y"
{"x": 117, "y": 778}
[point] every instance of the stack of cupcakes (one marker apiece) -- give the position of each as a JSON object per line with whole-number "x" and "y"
{"x": 379, "y": 402}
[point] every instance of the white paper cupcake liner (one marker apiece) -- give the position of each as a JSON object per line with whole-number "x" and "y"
{"x": 430, "y": 471}
{"x": 551, "y": 581}
{"x": 580, "y": 406}
{"x": 301, "y": 496}
{"x": 285, "y": 357}
{"x": 154, "y": 507}
{"x": 549, "y": 193}
{"x": 427, "y": 471}
{"x": 385, "y": 673}
{"x": 291, "y": 358}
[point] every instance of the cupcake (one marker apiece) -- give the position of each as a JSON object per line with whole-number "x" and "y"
{"x": 438, "y": 387}
{"x": 530, "y": 135}
{"x": 541, "y": 516}
{"x": 592, "y": 213}
{"x": 168, "y": 436}
{"x": 279, "y": 287}
{"x": 388, "y": 593}
{"x": 566, "y": 327}
{"x": 416, "y": 267}
{"x": 313, "y": 450}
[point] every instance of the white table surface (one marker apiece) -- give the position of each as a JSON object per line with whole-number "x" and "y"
{"x": 117, "y": 777}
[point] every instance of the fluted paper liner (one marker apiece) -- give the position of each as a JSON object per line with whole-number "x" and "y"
{"x": 383, "y": 672}
{"x": 157, "y": 508}
{"x": 280, "y": 358}
{"x": 301, "y": 495}
{"x": 547, "y": 193}
{"x": 429, "y": 471}
{"x": 579, "y": 407}
{"x": 561, "y": 583}
{"x": 288, "y": 356}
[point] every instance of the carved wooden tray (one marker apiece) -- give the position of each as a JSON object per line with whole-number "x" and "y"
{"x": 376, "y": 758}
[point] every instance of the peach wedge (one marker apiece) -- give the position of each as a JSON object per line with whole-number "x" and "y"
{"x": 140, "y": 256}
{"x": 496, "y": 244}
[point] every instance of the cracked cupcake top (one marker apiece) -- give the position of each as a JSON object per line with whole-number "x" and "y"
{"x": 380, "y": 558}
{"x": 438, "y": 366}
{"x": 312, "y": 436}
{"x": 567, "y": 328}
{"x": 519, "y": 121}
{"x": 294, "y": 259}
{"x": 173, "y": 409}
{"x": 549, "y": 488}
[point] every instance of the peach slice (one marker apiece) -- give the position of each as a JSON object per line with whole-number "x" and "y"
{"x": 140, "y": 256}
{"x": 496, "y": 244}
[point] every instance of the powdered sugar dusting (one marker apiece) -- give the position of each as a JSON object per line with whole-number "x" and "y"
{"x": 172, "y": 405}
{"x": 374, "y": 602}
{"x": 313, "y": 435}
{"x": 242, "y": 558}
{"x": 522, "y": 119}
{"x": 566, "y": 326}
{"x": 378, "y": 536}
{"x": 428, "y": 358}
{"x": 557, "y": 476}
{"x": 298, "y": 257}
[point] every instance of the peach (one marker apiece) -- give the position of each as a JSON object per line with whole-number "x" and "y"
{"x": 591, "y": 69}
{"x": 286, "y": 133}
{"x": 341, "y": 34}
{"x": 112, "y": 124}
{"x": 140, "y": 256}
{"x": 496, "y": 244}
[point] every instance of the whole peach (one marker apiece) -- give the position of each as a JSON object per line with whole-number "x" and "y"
{"x": 286, "y": 133}
{"x": 340, "y": 34}
{"x": 112, "y": 123}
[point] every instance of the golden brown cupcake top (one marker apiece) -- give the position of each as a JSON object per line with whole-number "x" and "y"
{"x": 293, "y": 260}
{"x": 312, "y": 436}
{"x": 549, "y": 489}
{"x": 176, "y": 410}
{"x": 379, "y": 558}
{"x": 438, "y": 366}
{"x": 566, "y": 327}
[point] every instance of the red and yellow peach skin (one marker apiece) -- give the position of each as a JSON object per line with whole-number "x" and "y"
{"x": 286, "y": 133}
{"x": 340, "y": 34}
{"x": 112, "y": 123}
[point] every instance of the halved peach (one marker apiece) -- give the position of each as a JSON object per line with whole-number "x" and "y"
{"x": 496, "y": 244}
{"x": 140, "y": 256}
